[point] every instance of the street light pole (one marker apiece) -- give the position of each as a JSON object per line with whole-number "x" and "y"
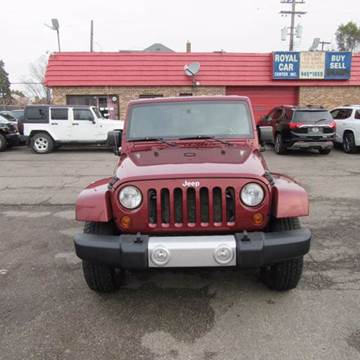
{"x": 55, "y": 26}
{"x": 58, "y": 39}
{"x": 92, "y": 36}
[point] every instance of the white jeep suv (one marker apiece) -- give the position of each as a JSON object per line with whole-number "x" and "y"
{"x": 347, "y": 120}
{"x": 46, "y": 127}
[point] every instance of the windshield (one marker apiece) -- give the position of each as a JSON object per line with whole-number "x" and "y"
{"x": 97, "y": 113}
{"x": 8, "y": 116}
{"x": 312, "y": 117}
{"x": 190, "y": 119}
{"x": 3, "y": 120}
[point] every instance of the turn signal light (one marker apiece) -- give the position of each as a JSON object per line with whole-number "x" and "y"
{"x": 125, "y": 222}
{"x": 258, "y": 218}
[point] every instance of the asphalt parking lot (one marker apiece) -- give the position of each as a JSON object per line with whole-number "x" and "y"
{"x": 48, "y": 312}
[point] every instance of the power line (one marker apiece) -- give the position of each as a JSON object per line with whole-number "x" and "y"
{"x": 293, "y": 12}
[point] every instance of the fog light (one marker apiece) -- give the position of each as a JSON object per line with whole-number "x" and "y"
{"x": 258, "y": 218}
{"x": 223, "y": 254}
{"x": 160, "y": 256}
{"x": 125, "y": 222}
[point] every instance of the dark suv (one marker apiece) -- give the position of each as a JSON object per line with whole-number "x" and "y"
{"x": 9, "y": 135}
{"x": 301, "y": 128}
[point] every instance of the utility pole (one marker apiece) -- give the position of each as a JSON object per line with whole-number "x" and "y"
{"x": 92, "y": 36}
{"x": 293, "y": 12}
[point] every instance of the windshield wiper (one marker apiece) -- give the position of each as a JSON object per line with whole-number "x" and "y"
{"x": 317, "y": 121}
{"x": 160, "y": 139}
{"x": 205, "y": 137}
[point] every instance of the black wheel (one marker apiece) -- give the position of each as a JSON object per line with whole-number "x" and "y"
{"x": 285, "y": 275}
{"x": 325, "y": 151}
{"x": 3, "y": 143}
{"x": 279, "y": 145}
{"x": 349, "y": 145}
{"x": 42, "y": 143}
{"x": 101, "y": 278}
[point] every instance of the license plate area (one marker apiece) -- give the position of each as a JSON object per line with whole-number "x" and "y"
{"x": 315, "y": 130}
{"x": 192, "y": 251}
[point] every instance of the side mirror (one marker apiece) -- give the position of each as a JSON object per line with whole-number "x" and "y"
{"x": 266, "y": 134}
{"x": 114, "y": 140}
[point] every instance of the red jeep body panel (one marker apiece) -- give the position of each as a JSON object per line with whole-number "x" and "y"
{"x": 93, "y": 203}
{"x": 289, "y": 199}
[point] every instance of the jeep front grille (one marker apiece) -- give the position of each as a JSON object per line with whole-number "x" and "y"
{"x": 191, "y": 206}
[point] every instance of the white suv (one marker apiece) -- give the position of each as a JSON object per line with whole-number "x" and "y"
{"x": 47, "y": 127}
{"x": 347, "y": 120}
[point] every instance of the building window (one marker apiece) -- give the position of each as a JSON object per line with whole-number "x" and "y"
{"x": 185, "y": 94}
{"x": 108, "y": 105}
{"x": 150, "y": 96}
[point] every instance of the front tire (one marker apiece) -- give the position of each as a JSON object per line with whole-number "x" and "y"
{"x": 284, "y": 275}
{"x": 42, "y": 143}
{"x": 279, "y": 145}
{"x": 3, "y": 143}
{"x": 349, "y": 145}
{"x": 101, "y": 278}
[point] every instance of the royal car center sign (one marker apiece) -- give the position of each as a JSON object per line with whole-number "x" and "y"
{"x": 317, "y": 65}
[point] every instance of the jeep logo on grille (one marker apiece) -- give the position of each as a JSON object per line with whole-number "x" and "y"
{"x": 191, "y": 183}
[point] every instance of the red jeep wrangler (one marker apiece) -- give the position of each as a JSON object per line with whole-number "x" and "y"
{"x": 192, "y": 190}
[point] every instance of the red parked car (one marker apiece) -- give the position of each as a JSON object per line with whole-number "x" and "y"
{"x": 192, "y": 190}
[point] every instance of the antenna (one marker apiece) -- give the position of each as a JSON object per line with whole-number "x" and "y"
{"x": 192, "y": 70}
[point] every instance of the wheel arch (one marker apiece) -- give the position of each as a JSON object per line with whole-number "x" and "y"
{"x": 34, "y": 132}
{"x": 289, "y": 198}
{"x": 94, "y": 204}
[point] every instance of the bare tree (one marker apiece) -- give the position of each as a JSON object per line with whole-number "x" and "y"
{"x": 35, "y": 82}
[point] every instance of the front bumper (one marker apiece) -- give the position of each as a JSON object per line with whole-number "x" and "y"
{"x": 324, "y": 145}
{"x": 244, "y": 250}
{"x": 13, "y": 139}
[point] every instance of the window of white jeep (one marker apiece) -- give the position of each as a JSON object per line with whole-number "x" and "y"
{"x": 171, "y": 120}
{"x": 341, "y": 114}
{"x": 59, "y": 114}
{"x": 83, "y": 115}
{"x": 357, "y": 114}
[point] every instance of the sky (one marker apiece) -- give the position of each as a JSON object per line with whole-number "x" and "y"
{"x": 230, "y": 25}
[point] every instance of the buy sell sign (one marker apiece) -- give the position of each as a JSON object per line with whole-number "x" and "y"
{"x": 314, "y": 65}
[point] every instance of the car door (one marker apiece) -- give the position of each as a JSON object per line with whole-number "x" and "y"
{"x": 84, "y": 126}
{"x": 59, "y": 123}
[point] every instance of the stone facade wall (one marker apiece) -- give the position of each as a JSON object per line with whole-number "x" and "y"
{"x": 329, "y": 96}
{"x": 126, "y": 94}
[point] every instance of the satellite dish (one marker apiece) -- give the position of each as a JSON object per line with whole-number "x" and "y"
{"x": 55, "y": 24}
{"x": 192, "y": 69}
{"x": 315, "y": 44}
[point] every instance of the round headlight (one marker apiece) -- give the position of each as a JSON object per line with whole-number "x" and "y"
{"x": 130, "y": 197}
{"x": 252, "y": 194}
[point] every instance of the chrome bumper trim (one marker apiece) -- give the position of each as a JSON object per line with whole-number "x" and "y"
{"x": 192, "y": 251}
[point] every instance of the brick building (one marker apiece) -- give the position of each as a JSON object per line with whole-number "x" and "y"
{"x": 110, "y": 80}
